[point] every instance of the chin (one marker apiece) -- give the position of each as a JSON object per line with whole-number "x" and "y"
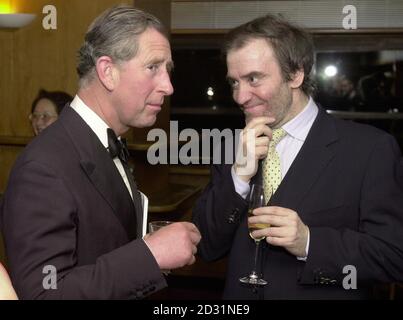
{"x": 146, "y": 123}
{"x": 249, "y": 116}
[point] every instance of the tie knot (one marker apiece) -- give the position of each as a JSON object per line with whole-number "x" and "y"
{"x": 277, "y": 135}
{"x": 116, "y": 147}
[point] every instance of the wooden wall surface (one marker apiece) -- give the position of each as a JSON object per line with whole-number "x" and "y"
{"x": 34, "y": 58}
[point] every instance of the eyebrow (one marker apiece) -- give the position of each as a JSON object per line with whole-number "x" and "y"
{"x": 170, "y": 66}
{"x": 248, "y": 75}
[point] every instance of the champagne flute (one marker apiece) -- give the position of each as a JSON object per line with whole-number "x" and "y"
{"x": 256, "y": 200}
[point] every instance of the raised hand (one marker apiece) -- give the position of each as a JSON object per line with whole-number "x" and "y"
{"x": 253, "y": 146}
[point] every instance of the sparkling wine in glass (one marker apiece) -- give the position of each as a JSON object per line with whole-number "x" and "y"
{"x": 256, "y": 199}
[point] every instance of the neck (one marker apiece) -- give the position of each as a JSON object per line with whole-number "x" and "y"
{"x": 98, "y": 100}
{"x": 298, "y": 103}
{"x": 300, "y": 100}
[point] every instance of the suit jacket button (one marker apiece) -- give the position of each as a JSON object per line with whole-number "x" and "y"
{"x": 233, "y": 216}
{"x": 317, "y": 276}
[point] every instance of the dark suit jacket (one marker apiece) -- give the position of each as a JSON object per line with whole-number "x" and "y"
{"x": 346, "y": 184}
{"x": 66, "y": 205}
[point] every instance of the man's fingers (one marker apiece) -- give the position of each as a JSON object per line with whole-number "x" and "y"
{"x": 193, "y": 232}
{"x": 259, "y": 120}
{"x": 279, "y": 232}
{"x": 190, "y": 226}
{"x": 261, "y": 152}
{"x": 255, "y": 132}
{"x": 278, "y": 221}
{"x": 278, "y": 242}
{"x": 262, "y": 141}
{"x": 273, "y": 210}
{"x": 275, "y": 232}
{"x": 195, "y": 237}
{"x": 192, "y": 260}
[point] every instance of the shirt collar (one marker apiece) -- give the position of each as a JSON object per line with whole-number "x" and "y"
{"x": 93, "y": 120}
{"x": 299, "y": 126}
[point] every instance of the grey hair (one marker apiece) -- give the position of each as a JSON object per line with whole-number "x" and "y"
{"x": 114, "y": 34}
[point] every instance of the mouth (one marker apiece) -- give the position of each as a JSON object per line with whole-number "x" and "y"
{"x": 156, "y": 107}
{"x": 255, "y": 109}
{"x": 248, "y": 107}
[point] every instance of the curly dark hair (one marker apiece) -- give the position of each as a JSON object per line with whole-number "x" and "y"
{"x": 292, "y": 45}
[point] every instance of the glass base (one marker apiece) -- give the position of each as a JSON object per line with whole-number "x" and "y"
{"x": 254, "y": 280}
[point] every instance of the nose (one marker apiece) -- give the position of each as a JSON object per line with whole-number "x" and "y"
{"x": 242, "y": 94}
{"x": 42, "y": 119}
{"x": 166, "y": 85}
{"x": 38, "y": 121}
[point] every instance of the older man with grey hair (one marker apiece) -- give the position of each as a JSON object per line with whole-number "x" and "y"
{"x": 72, "y": 215}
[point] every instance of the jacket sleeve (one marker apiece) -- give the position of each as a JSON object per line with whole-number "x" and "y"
{"x": 217, "y": 214}
{"x": 39, "y": 221}
{"x": 376, "y": 249}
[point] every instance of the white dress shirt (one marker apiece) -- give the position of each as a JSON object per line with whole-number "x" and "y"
{"x": 100, "y": 129}
{"x": 297, "y": 130}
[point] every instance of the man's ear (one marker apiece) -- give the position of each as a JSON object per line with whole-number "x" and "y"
{"x": 107, "y": 73}
{"x": 297, "y": 79}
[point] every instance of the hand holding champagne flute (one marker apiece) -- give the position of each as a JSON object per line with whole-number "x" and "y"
{"x": 256, "y": 226}
{"x": 256, "y": 200}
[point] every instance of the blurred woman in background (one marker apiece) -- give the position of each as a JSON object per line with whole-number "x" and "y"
{"x": 46, "y": 108}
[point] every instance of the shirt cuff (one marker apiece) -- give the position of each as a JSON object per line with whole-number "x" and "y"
{"x": 306, "y": 249}
{"x": 241, "y": 187}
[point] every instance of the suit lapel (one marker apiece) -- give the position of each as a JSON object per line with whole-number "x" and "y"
{"x": 108, "y": 181}
{"x": 315, "y": 154}
{"x": 101, "y": 170}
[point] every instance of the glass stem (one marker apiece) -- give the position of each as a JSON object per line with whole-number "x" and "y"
{"x": 256, "y": 256}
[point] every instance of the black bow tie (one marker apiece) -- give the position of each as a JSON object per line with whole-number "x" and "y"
{"x": 116, "y": 147}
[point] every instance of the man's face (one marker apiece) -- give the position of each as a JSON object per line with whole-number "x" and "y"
{"x": 143, "y": 82}
{"x": 257, "y": 83}
{"x": 345, "y": 87}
